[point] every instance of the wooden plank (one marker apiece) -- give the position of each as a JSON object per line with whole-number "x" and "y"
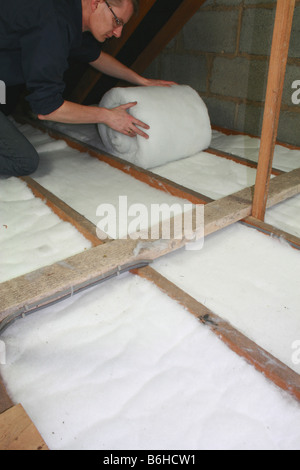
{"x": 182, "y": 15}
{"x": 89, "y": 230}
{"x": 264, "y": 362}
{"x": 152, "y": 180}
{"x": 231, "y": 341}
{"x": 17, "y": 432}
{"x": 283, "y": 187}
{"x": 47, "y": 285}
{"x": 240, "y": 160}
{"x": 238, "y": 206}
{"x": 140, "y": 174}
{"x": 158, "y": 182}
{"x": 64, "y": 211}
{"x": 281, "y": 378}
{"x": 277, "y": 67}
{"x": 145, "y": 176}
{"x": 229, "y": 132}
{"x": 268, "y": 229}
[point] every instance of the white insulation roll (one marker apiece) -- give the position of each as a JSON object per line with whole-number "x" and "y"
{"x": 178, "y": 119}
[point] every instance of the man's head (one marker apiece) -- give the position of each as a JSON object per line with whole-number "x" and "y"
{"x": 135, "y": 3}
{"x": 106, "y": 18}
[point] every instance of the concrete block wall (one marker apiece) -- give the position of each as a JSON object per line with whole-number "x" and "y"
{"x": 223, "y": 52}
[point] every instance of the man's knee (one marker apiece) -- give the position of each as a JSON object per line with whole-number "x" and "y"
{"x": 28, "y": 163}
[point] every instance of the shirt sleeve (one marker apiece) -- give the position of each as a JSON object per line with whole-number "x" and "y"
{"x": 44, "y": 60}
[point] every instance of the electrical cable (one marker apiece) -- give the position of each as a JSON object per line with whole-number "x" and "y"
{"x": 63, "y": 295}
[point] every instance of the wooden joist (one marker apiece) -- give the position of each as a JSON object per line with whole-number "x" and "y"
{"x": 85, "y": 227}
{"x": 145, "y": 176}
{"x": 240, "y": 160}
{"x": 65, "y": 274}
{"x": 26, "y": 293}
{"x": 151, "y": 179}
{"x": 65, "y": 278}
{"x": 275, "y": 232}
{"x": 264, "y": 362}
{"x": 163, "y": 184}
{"x": 140, "y": 174}
{"x": 63, "y": 210}
{"x": 17, "y": 431}
{"x": 155, "y": 181}
{"x": 89, "y": 230}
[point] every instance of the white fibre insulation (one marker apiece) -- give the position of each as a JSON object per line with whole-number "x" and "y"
{"x": 178, "y": 119}
{"x": 122, "y": 366}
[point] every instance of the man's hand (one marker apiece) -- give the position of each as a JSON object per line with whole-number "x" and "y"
{"x": 117, "y": 118}
{"x": 120, "y": 120}
{"x": 152, "y": 82}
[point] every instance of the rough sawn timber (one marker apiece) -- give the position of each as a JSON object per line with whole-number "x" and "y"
{"x": 17, "y": 432}
{"x": 52, "y": 283}
{"x": 276, "y": 76}
{"x": 262, "y": 360}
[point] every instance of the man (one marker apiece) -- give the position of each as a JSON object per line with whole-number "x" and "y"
{"x": 37, "y": 37}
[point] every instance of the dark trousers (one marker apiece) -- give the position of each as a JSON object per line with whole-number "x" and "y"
{"x": 17, "y": 156}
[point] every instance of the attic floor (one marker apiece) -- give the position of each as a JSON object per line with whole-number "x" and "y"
{"x": 101, "y": 369}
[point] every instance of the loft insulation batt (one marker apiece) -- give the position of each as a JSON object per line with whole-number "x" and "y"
{"x": 98, "y": 371}
{"x": 101, "y": 372}
{"x": 285, "y": 158}
{"x": 88, "y": 182}
{"x": 178, "y": 120}
{"x": 208, "y": 174}
{"x": 248, "y": 279}
{"x": 31, "y": 235}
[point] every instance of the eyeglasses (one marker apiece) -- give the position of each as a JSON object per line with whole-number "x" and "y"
{"x": 117, "y": 22}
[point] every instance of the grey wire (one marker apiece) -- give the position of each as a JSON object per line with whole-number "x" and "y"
{"x": 61, "y": 296}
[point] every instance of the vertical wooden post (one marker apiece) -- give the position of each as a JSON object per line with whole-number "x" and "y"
{"x": 276, "y": 75}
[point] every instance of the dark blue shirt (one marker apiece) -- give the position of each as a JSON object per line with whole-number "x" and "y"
{"x": 37, "y": 37}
